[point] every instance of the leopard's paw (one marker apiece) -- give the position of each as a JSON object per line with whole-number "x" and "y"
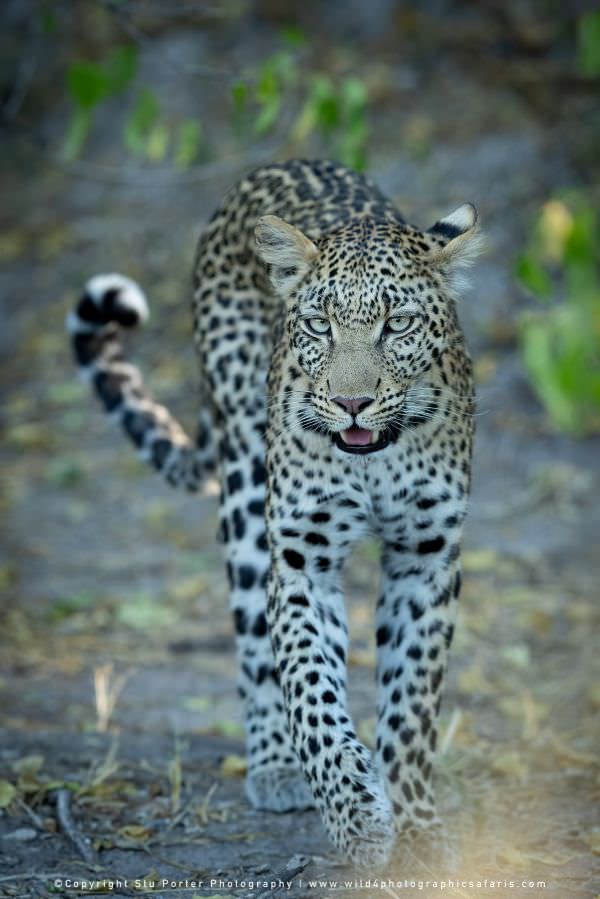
{"x": 369, "y": 838}
{"x": 431, "y": 847}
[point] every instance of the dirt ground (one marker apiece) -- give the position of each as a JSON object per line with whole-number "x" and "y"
{"x": 117, "y": 680}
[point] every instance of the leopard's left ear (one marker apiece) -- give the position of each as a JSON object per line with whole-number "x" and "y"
{"x": 457, "y": 240}
{"x": 285, "y": 249}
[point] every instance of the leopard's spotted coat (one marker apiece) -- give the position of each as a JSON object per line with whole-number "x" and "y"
{"x": 340, "y": 322}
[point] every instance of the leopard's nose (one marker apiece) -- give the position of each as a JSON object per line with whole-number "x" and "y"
{"x": 353, "y": 404}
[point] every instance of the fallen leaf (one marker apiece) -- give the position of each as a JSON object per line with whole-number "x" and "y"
{"x": 196, "y": 703}
{"x": 510, "y": 764}
{"x": 538, "y": 621}
{"x": 547, "y": 858}
{"x": 234, "y": 766}
{"x": 517, "y": 655}
{"x": 29, "y": 435}
{"x": 459, "y": 732}
{"x": 572, "y": 756}
{"x": 364, "y": 657}
{"x": 224, "y": 729}
{"x": 27, "y": 769}
{"x": 136, "y": 832}
{"x": 188, "y": 588}
{"x": 478, "y": 560}
{"x": 527, "y": 710}
{"x": 594, "y": 694}
{"x": 175, "y": 777}
{"x": 474, "y": 680}
{"x": 144, "y": 612}
{"x": 152, "y": 877}
{"x": 510, "y": 855}
{"x": 593, "y": 840}
{"x": 7, "y": 793}
{"x": 580, "y": 611}
{"x": 484, "y": 368}
{"x": 366, "y": 730}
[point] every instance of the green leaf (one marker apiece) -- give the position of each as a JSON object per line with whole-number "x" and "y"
{"x": 267, "y": 116}
{"x": 293, "y": 35}
{"x": 306, "y": 121}
{"x": 77, "y": 132}
{"x": 239, "y": 93}
{"x": 533, "y": 276}
{"x": 268, "y": 97}
{"x": 354, "y": 96}
{"x": 141, "y": 121}
{"x": 63, "y": 472}
{"x": 545, "y": 374}
{"x": 120, "y": 69}
{"x": 48, "y": 20}
{"x": 91, "y": 82}
{"x": 188, "y": 143}
{"x": 87, "y": 83}
{"x": 7, "y": 793}
{"x": 63, "y": 608}
{"x": 157, "y": 143}
{"x": 582, "y": 242}
{"x": 588, "y": 44}
{"x": 142, "y": 612}
{"x": 283, "y": 67}
{"x": 227, "y": 728}
{"x": 561, "y": 348}
{"x": 326, "y": 104}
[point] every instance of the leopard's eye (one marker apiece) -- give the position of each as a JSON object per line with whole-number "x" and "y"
{"x": 399, "y": 324}
{"x": 318, "y": 326}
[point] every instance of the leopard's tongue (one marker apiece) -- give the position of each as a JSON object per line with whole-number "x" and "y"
{"x": 357, "y": 437}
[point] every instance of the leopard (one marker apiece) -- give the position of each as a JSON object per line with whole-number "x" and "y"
{"x": 336, "y": 404}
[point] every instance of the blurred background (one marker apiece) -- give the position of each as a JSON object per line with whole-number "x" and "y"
{"x": 123, "y": 123}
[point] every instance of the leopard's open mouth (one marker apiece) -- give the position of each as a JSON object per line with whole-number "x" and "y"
{"x": 360, "y": 441}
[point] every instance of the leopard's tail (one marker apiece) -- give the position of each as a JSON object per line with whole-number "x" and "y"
{"x": 111, "y": 302}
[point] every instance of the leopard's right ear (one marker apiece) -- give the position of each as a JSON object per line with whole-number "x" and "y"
{"x": 286, "y": 250}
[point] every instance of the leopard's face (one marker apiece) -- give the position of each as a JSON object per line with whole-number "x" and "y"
{"x": 368, "y": 314}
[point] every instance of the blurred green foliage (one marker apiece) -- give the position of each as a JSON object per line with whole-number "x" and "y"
{"x": 560, "y": 342}
{"x": 284, "y": 94}
{"x": 588, "y": 43}
{"x": 141, "y": 121}
{"x": 338, "y": 112}
{"x": 90, "y": 83}
{"x": 334, "y": 109}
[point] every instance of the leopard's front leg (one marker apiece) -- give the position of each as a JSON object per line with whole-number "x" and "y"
{"x": 307, "y": 624}
{"x": 415, "y": 623}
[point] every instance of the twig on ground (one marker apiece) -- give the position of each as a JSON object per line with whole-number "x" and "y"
{"x": 67, "y": 825}
{"x": 191, "y": 872}
{"x": 175, "y": 820}
{"x": 450, "y": 731}
{"x": 101, "y": 771}
{"x": 34, "y": 818}
{"x": 389, "y": 891}
{"x": 107, "y": 690}
{"x": 202, "y": 811}
{"x": 295, "y": 866}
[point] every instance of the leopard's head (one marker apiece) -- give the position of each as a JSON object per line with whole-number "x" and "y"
{"x": 370, "y": 311}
